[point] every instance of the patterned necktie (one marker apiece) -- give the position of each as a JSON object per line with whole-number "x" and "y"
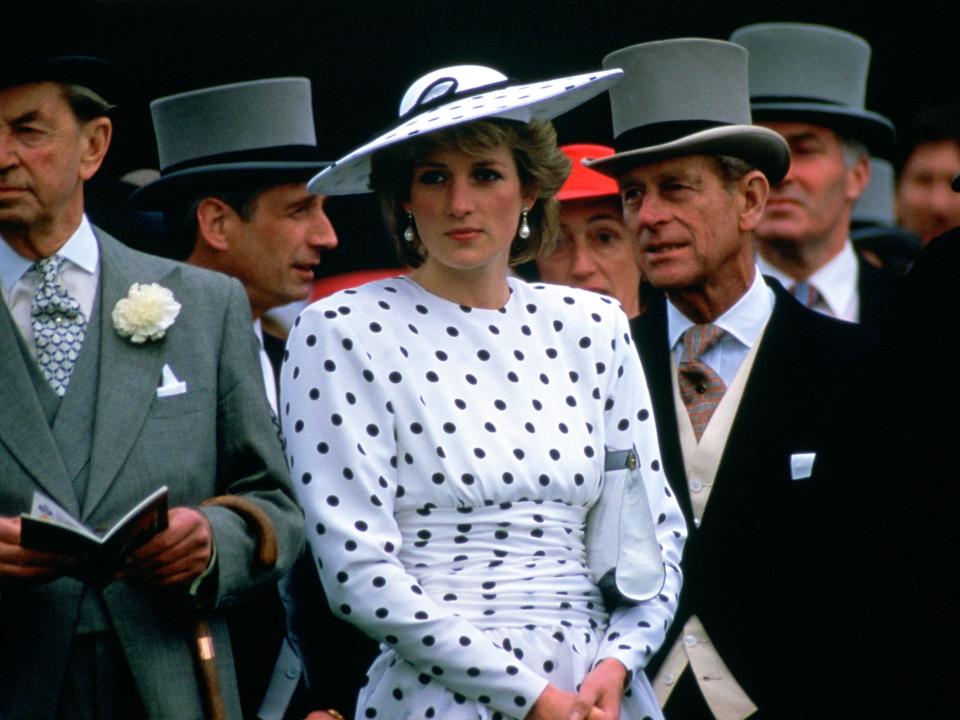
{"x": 58, "y": 325}
{"x": 805, "y": 293}
{"x": 700, "y": 387}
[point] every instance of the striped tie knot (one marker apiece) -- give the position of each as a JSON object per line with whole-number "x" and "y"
{"x": 700, "y": 387}
{"x": 805, "y": 292}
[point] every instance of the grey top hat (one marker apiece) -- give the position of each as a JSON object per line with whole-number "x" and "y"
{"x": 686, "y": 96}
{"x": 875, "y": 204}
{"x": 813, "y": 73}
{"x": 245, "y": 132}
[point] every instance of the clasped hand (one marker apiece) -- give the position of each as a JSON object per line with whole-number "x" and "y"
{"x": 598, "y": 699}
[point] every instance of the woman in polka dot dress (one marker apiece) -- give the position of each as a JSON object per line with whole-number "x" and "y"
{"x": 446, "y": 430}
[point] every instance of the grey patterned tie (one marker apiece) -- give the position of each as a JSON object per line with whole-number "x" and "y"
{"x": 58, "y": 325}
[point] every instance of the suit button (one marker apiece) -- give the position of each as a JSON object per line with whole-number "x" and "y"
{"x": 668, "y": 679}
{"x": 696, "y": 486}
{"x": 690, "y": 640}
{"x": 292, "y": 672}
{"x": 701, "y": 388}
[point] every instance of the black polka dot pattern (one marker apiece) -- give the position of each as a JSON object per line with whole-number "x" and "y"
{"x": 451, "y": 463}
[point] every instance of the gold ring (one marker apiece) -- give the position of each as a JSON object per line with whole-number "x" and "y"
{"x": 335, "y": 714}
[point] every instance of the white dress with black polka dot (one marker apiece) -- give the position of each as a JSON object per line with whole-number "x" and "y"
{"x": 446, "y": 458}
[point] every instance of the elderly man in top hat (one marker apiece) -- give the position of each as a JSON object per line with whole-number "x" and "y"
{"x": 808, "y": 83}
{"x": 754, "y": 399}
{"x": 111, "y": 360}
{"x": 234, "y": 163}
{"x": 595, "y": 251}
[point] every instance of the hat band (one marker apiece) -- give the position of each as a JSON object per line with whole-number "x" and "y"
{"x": 793, "y": 99}
{"x": 661, "y": 133}
{"x": 451, "y": 94}
{"x": 276, "y": 153}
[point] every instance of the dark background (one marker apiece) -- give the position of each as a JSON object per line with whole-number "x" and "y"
{"x": 362, "y": 54}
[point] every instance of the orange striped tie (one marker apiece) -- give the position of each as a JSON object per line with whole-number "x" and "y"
{"x": 700, "y": 387}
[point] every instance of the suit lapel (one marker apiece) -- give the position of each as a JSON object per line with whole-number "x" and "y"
{"x": 652, "y": 344}
{"x": 24, "y": 429}
{"x": 129, "y": 373}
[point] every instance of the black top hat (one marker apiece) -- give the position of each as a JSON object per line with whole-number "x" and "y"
{"x": 256, "y": 132}
{"x": 686, "y": 96}
{"x": 55, "y": 42}
{"x": 815, "y": 74}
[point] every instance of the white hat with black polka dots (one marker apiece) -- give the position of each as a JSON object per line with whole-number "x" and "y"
{"x": 460, "y": 94}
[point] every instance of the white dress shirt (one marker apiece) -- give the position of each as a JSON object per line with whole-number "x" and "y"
{"x": 79, "y": 277}
{"x": 836, "y": 283}
{"x": 266, "y": 367}
{"x": 743, "y": 323}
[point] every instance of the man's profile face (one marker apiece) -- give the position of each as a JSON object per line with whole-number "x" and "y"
{"x": 43, "y": 157}
{"x": 275, "y": 252}
{"x": 685, "y": 220}
{"x": 926, "y": 203}
{"x": 813, "y": 201}
{"x": 595, "y": 252}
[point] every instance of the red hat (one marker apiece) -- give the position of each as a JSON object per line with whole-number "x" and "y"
{"x": 584, "y": 182}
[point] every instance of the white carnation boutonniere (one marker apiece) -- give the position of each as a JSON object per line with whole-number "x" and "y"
{"x": 145, "y": 313}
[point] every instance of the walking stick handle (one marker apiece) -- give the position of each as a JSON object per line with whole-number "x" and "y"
{"x": 266, "y": 538}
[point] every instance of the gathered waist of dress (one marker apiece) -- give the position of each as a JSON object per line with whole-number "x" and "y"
{"x": 509, "y": 564}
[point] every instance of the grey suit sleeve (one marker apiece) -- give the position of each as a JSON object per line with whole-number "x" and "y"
{"x": 250, "y": 462}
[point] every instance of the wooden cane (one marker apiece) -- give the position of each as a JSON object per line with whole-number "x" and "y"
{"x": 266, "y": 538}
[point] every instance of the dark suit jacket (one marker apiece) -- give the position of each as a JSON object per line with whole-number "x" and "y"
{"x": 879, "y": 291}
{"x": 215, "y": 438}
{"x": 775, "y": 570}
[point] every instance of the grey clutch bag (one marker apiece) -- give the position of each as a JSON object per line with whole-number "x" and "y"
{"x": 623, "y": 553}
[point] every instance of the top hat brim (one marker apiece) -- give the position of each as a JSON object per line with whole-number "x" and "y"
{"x": 521, "y": 102}
{"x": 91, "y": 72}
{"x": 182, "y": 185}
{"x": 870, "y": 128}
{"x": 764, "y": 149}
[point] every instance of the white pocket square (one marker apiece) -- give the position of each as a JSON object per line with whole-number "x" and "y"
{"x": 169, "y": 384}
{"x": 801, "y": 465}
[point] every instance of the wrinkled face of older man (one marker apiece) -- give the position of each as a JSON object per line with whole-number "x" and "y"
{"x": 690, "y": 223}
{"x": 46, "y": 154}
{"x": 812, "y": 204}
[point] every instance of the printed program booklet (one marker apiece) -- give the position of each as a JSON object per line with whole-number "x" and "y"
{"x": 50, "y": 528}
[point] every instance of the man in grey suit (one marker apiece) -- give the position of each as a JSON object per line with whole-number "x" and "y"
{"x": 233, "y": 190}
{"x": 99, "y": 409}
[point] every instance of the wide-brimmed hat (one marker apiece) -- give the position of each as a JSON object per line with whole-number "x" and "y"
{"x": 583, "y": 183}
{"x": 253, "y": 132}
{"x": 457, "y": 95}
{"x": 815, "y": 74}
{"x": 686, "y": 96}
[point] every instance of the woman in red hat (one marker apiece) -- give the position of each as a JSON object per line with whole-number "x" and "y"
{"x": 595, "y": 250}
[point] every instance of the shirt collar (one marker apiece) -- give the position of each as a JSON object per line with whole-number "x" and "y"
{"x": 836, "y": 281}
{"x": 744, "y": 321}
{"x": 81, "y": 249}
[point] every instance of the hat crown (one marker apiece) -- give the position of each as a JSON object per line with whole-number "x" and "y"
{"x": 233, "y": 118}
{"x": 681, "y": 80}
{"x": 582, "y": 182}
{"x": 448, "y": 83}
{"x": 799, "y": 61}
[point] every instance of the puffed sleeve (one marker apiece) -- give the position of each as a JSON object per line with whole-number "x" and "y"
{"x": 636, "y": 631}
{"x": 338, "y": 420}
